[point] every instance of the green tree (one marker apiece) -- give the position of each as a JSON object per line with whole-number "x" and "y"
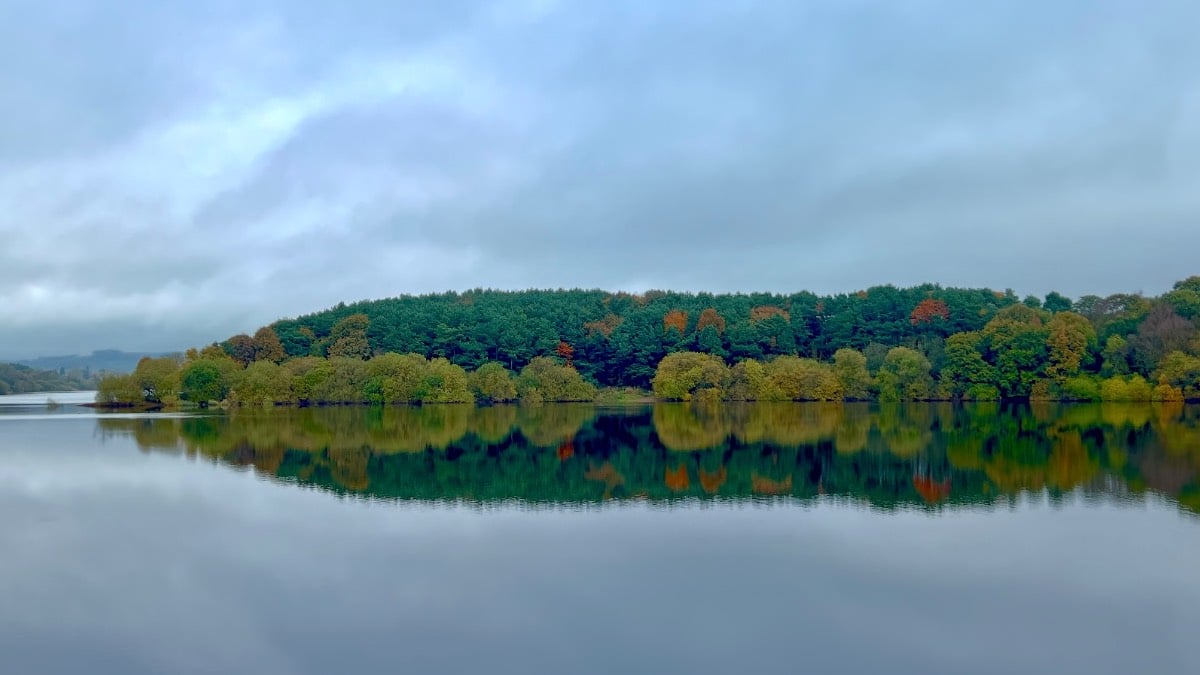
{"x": 493, "y": 383}
{"x": 851, "y": 369}
{"x": 966, "y": 371}
{"x": 446, "y": 382}
{"x": 1117, "y": 314}
{"x": 1071, "y": 342}
{"x": 158, "y": 379}
{"x": 875, "y": 353}
{"x": 775, "y": 335}
{"x": 1115, "y": 356}
{"x": 709, "y": 341}
{"x": 1055, "y": 302}
{"x": 263, "y": 383}
{"x": 118, "y": 390}
{"x": 208, "y": 379}
{"x": 905, "y": 376}
{"x": 1016, "y": 346}
{"x": 800, "y": 379}
{"x": 396, "y": 378}
{"x": 544, "y": 379}
{"x": 743, "y": 342}
{"x": 748, "y": 381}
{"x": 1185, "y": 298}
{"x": 683, "y": 375}
{"x": 1181, "y": 370}
{"x": 306, "y": 373}
{"x": 340, "y": 379}
{"x": 1080, "y": 388}
{"x": 1132, "y": 388}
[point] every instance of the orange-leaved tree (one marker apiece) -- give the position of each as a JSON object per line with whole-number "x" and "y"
{"x": 677, "y": 319}
{"x": 566, "y": 352}
{"x": 710, "y": 317}
{"x": 928, "y": 310}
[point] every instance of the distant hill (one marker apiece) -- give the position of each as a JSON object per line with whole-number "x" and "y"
{"x": 111, "y": 360}
{"x": 20, "y": 379}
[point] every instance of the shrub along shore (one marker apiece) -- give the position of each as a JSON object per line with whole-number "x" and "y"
{"x": 903, "y": 376}
{"x": 208, "y": 378}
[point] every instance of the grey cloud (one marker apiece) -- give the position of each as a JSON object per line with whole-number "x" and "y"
{"x": 243, "y": 161}
{"x": 405, "y": 141}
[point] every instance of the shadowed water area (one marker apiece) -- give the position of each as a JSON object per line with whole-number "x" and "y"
{"x": 576, "y": 539}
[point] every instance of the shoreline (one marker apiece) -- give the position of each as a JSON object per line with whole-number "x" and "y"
{"x": 126, "y": 407}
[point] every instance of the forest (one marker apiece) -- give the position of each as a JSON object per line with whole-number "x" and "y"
{"x": 883, "y": 343}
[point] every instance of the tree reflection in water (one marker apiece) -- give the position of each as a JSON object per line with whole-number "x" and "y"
{"x": 922, "y": 455}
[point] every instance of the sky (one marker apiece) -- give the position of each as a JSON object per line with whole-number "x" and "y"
{"x": 172, "y": 173}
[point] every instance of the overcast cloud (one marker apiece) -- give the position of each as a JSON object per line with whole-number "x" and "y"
{"x": 175, "y": 172}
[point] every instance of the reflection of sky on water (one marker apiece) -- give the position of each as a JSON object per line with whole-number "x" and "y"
{"x": 119, "y": 561}
{"x": 46, "y": 403}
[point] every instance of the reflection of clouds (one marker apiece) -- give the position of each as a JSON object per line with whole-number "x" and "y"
{"x": 188, "y": 567}
{"x": 64, "y": 398}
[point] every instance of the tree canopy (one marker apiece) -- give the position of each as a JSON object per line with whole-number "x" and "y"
{"x": 924, "y": 342}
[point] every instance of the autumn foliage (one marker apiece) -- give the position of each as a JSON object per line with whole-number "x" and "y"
{"x": 710, "y": 317}
{"x": 954, "y": 343}
{"x": 676, "y": 319}
{"x": 764, "y": 312}
{"x": 928, "y": 310}
{"x": 565, "y": 352}
{"x": 604, "y": 326}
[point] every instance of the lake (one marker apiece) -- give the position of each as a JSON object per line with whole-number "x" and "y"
{"x": 772, "y": 538}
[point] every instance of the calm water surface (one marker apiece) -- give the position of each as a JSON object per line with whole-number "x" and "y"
{"x": 571, "y": 539}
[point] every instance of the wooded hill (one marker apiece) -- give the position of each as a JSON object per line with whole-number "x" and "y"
{"x": 886, "y": 343}
{"x": 18, "y": 379}
{"x": 619, "y": 339}
{"x": 101, "y": 360}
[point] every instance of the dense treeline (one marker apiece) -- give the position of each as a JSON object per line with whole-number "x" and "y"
{"x": 619, "y": 339}
{"x": 921, "y": 343}
{"x": 19, "y": 379}
{"x": 884, "y": 455}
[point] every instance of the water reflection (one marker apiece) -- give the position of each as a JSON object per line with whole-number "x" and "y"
{"x": 929, "y": 455}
